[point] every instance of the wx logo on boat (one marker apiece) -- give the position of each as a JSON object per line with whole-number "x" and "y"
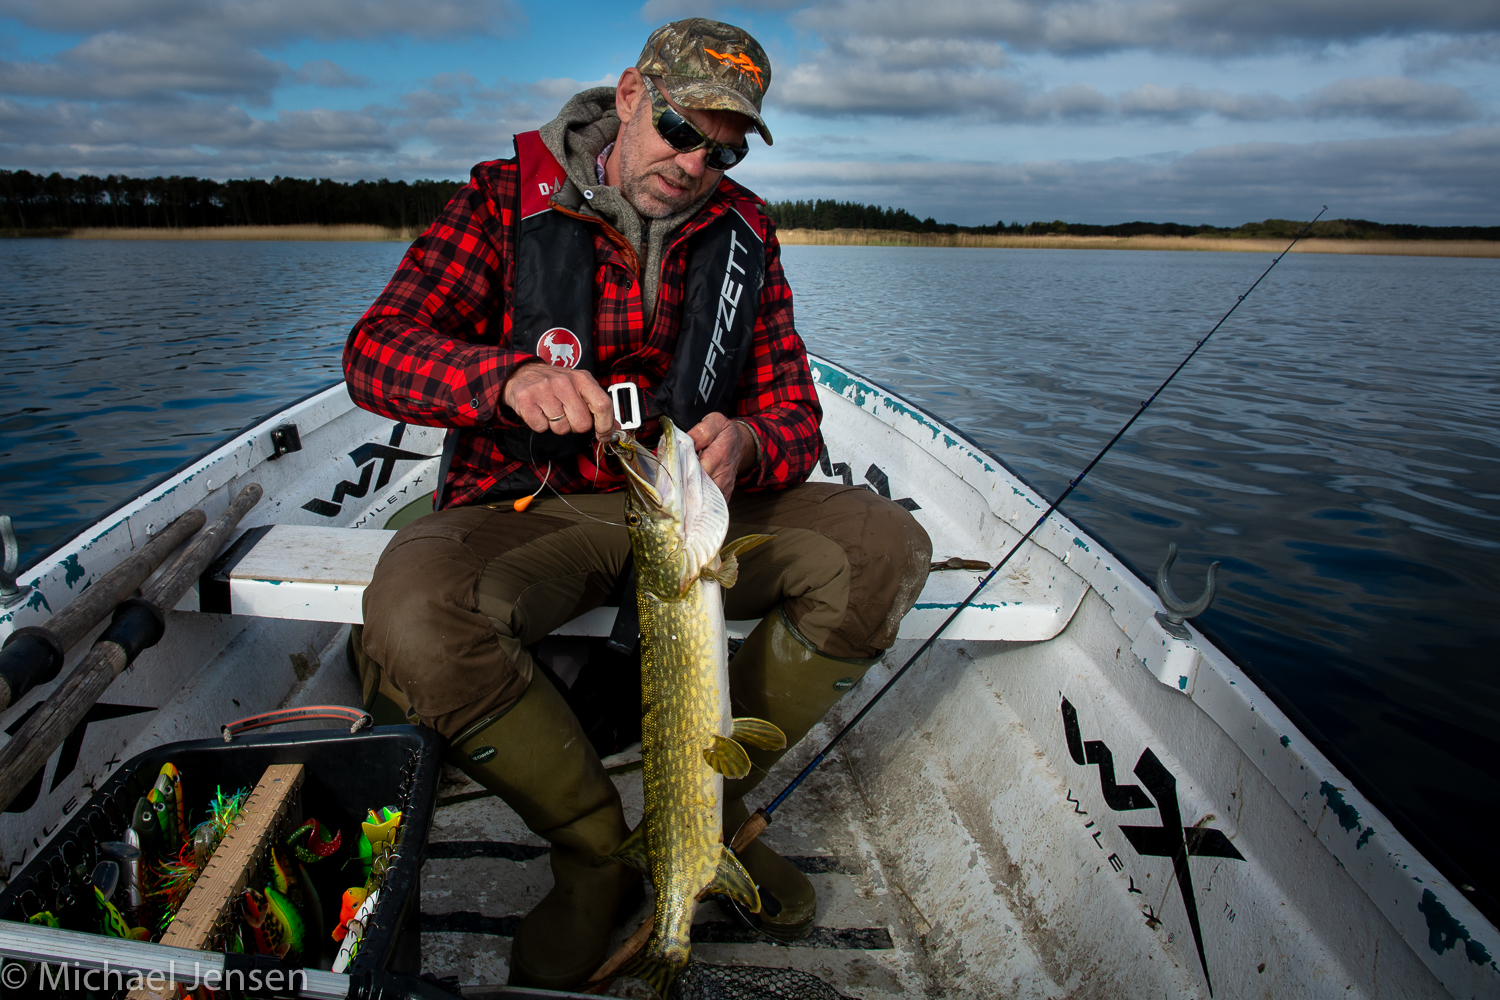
{"x": 365, "y": 457}
{"x": 875, "y": 476}
{"x": 1171, "y": 839}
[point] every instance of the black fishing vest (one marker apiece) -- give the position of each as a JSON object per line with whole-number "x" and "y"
{"x": 553, "y": 303}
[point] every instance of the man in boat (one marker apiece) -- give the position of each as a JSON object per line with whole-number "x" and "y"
{"x": 613, "y": 248}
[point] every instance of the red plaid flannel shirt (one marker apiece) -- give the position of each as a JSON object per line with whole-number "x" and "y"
{"x": 434, "y": 348}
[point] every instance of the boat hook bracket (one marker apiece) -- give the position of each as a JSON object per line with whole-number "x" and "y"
{"x": 1171, "y": 620}
{"x": 10, "y": 593}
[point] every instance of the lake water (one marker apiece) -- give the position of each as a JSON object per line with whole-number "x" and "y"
{"x": 1336, "y": 445}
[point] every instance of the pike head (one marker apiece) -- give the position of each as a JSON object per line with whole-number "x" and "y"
{"x": 676, "y": 515}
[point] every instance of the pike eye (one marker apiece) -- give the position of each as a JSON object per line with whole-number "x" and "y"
{"x": 633, "y": 519}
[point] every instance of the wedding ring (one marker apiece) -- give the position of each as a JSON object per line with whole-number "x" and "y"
{"x": 556, "y": 418}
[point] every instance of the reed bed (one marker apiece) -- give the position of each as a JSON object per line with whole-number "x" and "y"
{"x": 340, "y": 234}
{"x": 889, "y": 238}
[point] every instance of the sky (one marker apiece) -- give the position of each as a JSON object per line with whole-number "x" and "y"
{"x": 971, "y": 111}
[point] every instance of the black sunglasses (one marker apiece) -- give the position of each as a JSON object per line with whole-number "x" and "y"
{"x": 680, "y": 134}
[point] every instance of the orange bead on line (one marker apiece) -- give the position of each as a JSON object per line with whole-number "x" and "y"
{"x": 522, "y": 503}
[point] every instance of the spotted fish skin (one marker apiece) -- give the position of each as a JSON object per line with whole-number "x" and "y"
{"x": 677, "y": 519}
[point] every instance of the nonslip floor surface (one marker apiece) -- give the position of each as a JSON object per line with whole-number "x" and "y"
{"x": 484, "y": 870}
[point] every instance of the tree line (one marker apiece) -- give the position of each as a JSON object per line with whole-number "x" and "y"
{"x": 31, "y": 201}
{"x": 851, "y": 215}
{"x": 34, "y": 201}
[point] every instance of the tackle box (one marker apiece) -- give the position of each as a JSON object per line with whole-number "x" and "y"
{"x": 344, "y": 776}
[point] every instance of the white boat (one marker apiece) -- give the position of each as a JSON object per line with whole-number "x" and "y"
{"x": 1060, "y": 799}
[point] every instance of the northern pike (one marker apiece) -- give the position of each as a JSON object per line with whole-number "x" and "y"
{"x": 677, "y": 518}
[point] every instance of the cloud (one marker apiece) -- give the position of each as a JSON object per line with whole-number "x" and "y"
{"x": 1151, "y": 101}
{"x": 1432, "y": 55}
{"x": 262, "y": 21}
{"x": 1391, "y": 98}
{"x": 326, "y": 73}
{"x": 1196, "y": 27}
{"x": 835, "y": 88}
{"x": 438, "y": 129}
{"x": 116, "y": 66}
{"x": 1445, "y": 179}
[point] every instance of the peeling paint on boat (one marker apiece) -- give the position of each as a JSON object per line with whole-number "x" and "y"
{"x": 1348, "y": 816}
{"x": 1444, "y": 932}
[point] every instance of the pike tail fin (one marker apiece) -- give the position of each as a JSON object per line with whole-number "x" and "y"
{"x": 655, "y": 971}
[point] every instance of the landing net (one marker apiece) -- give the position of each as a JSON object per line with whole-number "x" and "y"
{"x": 751, "y": 982}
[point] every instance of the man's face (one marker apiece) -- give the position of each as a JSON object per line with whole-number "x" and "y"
{"x": 654, "y": 177}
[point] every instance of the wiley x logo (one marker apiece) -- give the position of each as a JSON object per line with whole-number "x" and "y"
{"x": 366, "y": 455}
{"x": 1171, "y": 839}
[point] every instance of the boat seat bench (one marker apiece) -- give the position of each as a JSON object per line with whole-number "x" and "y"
{"x": 319, "y": 574}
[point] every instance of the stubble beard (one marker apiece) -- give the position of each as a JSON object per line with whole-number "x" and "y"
{"x": 635, "y": 181}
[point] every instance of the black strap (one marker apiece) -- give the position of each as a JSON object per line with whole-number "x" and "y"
{"x": 626, "y": 633}
{"x": 137, "y": 626}
{"x": 31, "y": 655}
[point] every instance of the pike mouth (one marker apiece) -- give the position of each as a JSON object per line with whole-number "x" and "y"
{"x": 641, "y": 470}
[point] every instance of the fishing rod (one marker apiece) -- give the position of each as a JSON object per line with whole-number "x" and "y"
{"x": 761, "y": 818}
{"x": 764, "y": 814}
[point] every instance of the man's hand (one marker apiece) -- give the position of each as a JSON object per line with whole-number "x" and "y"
{"x": 562, "y": 400}
{"x": 725, "y": 449}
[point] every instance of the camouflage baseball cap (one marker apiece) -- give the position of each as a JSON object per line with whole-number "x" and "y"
{"x": 709, "y": 65}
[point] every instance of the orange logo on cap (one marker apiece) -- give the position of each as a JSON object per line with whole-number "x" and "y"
{"x": 741, "y": 62}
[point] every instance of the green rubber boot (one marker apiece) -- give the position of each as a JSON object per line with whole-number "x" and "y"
{"x": 537, "y": 759}
{"x": 779, "y": 676}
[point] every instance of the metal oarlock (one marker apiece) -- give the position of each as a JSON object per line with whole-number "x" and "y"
{"x": 1177, "y": 609}
{"x": 10, "y": 592}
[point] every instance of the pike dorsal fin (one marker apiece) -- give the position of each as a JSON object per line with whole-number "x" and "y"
{"x": 758, "y": 733}
{"x": 728, "y": 758}
{"x": 733, "y": 881}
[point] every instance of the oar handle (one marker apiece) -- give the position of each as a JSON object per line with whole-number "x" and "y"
{"x": 34, "y": 654}
{"x": 138, "y": 624}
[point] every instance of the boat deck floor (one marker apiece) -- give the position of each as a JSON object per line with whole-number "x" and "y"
{"x": 484, "y": 870}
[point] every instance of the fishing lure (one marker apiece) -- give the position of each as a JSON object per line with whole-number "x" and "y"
{"x": 349, "y": 950}
{"x": 113, "y": 922}
{"x": 168, "y": 791}
{"x": 289, "y": 932}
{"x": 353, "y": 899}
{"x": 253, "y": 906}
{"x": 377, "y": 843}
{"x": 310, "y": 842}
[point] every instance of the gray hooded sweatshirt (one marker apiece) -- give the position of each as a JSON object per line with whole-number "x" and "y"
{"x": 577, "y": 136}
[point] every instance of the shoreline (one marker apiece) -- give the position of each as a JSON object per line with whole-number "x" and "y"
{"x": 831, "y": 237}
{"x": 1195, "y": 244}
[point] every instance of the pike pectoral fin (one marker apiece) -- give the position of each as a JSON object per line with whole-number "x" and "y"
{"x": 758, "y": 733}
{"x": 633, "y": 851}
{"x": 728, "y": 758}
{"x": 733, "y": 881}
{"x": 727, "y": 572}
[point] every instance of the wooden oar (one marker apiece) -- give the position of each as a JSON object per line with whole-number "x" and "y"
{"x": 137, "y": 626}
{"x": 33, "y": 654}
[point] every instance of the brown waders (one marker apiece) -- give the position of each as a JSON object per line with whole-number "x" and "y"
{"x": 459, "y": 595}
